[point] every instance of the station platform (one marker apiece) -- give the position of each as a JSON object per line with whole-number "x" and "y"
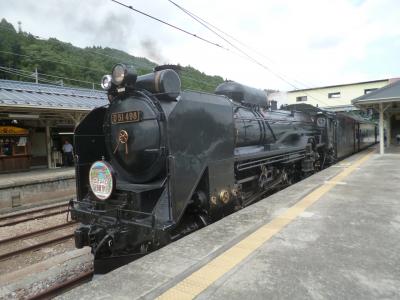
{"x": 393, "y": 149}
{"x": 334, "y": 235}
{"x": 30, "y": 188}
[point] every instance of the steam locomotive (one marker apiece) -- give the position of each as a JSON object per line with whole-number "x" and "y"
{"x": 157, "y": 163}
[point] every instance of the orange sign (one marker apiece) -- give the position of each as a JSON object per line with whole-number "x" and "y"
{"x": 12, "y": 130}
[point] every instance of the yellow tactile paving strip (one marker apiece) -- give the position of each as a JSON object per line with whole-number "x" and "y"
{"x": 197, "y": 282}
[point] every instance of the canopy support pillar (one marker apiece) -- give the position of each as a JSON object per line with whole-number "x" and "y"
{"x": 381, "y": 132}
{"x": 381, "y": 128}
{"x": 48, "y": 146}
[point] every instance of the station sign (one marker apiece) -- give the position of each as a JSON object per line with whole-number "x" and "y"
{"x": 13, "y": 130}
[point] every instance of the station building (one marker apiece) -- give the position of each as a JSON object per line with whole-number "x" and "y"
{"x": 336, "y": 97}
{"x": 36, "y": 119}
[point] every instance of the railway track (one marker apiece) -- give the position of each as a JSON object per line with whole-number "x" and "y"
{"x": 34, "y": 214}
{"x": 21, "y": 250}
{"x": 40, "y": 244}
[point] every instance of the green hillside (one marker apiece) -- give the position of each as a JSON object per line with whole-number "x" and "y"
{"x": 56, "y": 61}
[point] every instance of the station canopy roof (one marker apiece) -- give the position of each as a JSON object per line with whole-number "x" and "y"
{"x": 389, "y": 94}
{"x": 16, "y": 93}
{"x": 47, "y": 101}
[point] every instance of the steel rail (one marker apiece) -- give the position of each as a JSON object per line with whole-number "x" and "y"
{"x": 6, "y": 255}
{"x": 23, "y": 213}
{"x": 14, "y": 222}
{"x": 37, "y": 232}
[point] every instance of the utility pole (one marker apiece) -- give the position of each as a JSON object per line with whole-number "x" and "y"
{"x": 92, "y": 85}
{"x": 36, "y": 76}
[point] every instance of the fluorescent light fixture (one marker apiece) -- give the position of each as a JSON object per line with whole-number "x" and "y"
{"x": 65, "y": 133}
{"x": 23, "y": 116}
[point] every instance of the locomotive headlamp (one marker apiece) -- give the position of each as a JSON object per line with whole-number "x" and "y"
{"x": 123, "y": 75}
{"x": 106, "y": 82}
{"x": 118, "y": 74}
{"x": 101, "y": 179}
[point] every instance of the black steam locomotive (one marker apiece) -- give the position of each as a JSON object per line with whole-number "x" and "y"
{"x": 157, "y": 163}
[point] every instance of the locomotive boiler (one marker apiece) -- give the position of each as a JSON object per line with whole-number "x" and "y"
{"x": 157, "y": 163}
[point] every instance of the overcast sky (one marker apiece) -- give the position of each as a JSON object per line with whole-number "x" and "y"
{"x": 309, "y": 42}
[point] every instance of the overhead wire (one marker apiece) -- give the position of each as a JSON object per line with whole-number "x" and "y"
{"x": 212, "y": 43}
{"x": 16, "y": 73}
{"x": 198, "y": 19}
{"x": 137, "y": 64}
{"x": 230, "y": 43}
{"x": 235, "y": 39}
{"x": 50, "y": 75}
{"x": 51, "y": 60}
{"x": 209, "y": 26}
{"x": 26, "y": 75}
{"x": 203, "y": 39}
{"x": 168, "y": 24}
{"x": 77, "y": 80}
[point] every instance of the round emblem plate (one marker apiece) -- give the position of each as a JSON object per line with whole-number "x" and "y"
{"x": 101, "y": 180}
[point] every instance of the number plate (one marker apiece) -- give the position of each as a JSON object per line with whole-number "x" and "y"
{"x": 126, "y": 117}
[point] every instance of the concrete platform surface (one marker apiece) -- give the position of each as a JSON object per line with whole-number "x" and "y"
{"x": 393, "y": 149}
{"x": 31, "y": 188}
{"x": 335, "y": 235}
{"x": 35, "y": 176}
